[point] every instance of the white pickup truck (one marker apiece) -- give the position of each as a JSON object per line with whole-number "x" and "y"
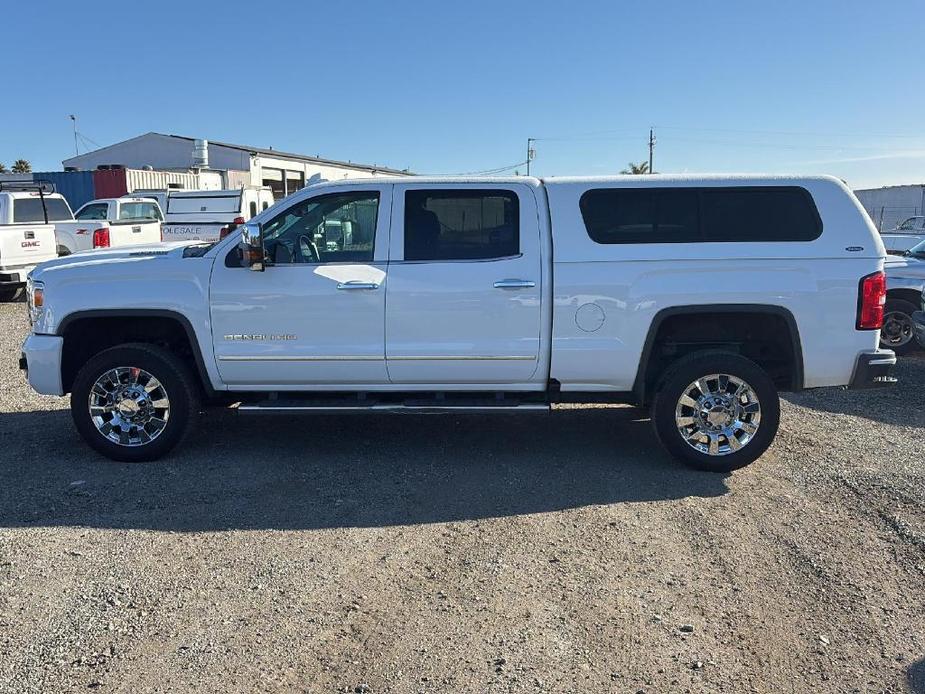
{"x": 109, "y": 223}
{"x": 701, "y": 297}
{"x": 28, "y": 211}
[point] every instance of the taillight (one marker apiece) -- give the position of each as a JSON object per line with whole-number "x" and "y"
{"x": 871, "y": 299}
{"x": 101, "y": 238}
{"x": 225, "y": 230}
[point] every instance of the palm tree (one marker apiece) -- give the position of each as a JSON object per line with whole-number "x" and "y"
{"x": 21, "y": 166}
{"x": 636, "y": 169}
{"x": 3, "y": 168}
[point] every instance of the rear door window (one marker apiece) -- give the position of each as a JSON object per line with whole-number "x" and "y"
{"x": 94, "y": 212}
{"x": 461, "y": 224}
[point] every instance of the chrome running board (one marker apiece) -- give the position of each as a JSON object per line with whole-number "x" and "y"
{"x": 406, "y": 407}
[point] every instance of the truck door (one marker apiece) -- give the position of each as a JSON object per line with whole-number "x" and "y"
{"x": 314, "y": 318}
{"x": 464, "y": 296}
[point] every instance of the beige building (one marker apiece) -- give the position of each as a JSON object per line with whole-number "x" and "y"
{"x": 238, "y": 165}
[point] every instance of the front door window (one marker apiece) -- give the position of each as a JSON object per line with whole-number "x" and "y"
{"x": 336, "y": 228}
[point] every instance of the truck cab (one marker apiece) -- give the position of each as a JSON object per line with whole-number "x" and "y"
{"x": 28, "y": 211}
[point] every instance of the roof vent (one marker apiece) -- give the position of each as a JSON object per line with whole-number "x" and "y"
{"x": 200, "y": 154}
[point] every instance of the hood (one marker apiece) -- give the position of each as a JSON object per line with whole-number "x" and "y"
{"x": 110, "y": 256}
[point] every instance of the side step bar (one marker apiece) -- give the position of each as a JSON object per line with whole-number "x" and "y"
{"x": 406, "y": 407}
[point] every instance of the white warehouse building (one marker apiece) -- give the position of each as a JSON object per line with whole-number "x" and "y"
{"x": 238, "y": 165}
{"x": 891, "y": 205}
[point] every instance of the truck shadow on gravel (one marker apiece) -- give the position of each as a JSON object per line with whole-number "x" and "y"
{"x": 916, "y": 677}
{"x": 899, "y": 405}
{"x": 237, "y": 472}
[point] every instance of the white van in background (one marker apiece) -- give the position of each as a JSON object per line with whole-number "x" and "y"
{"x": 200, "y": 215}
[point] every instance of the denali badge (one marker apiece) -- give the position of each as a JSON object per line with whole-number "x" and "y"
{"x": 262, "y": 338}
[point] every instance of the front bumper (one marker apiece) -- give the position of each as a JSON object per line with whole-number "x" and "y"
{"x": 41, "y": 360}
{"x": 918, "y": 325}
{"x": 874, "y": 370}
{"x": 15, "y": 278}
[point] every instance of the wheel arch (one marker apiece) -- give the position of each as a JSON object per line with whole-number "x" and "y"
{"x": 643, "y": 383}
{"x": 74, "y": 320}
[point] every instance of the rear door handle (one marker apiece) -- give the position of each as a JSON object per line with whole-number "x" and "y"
{"x": 354, "y": 284}
{"x": 514, "y": 284}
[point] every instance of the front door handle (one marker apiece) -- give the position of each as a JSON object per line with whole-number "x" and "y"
{"x": 514, "y": 284}
{"x": 354, "y": 284}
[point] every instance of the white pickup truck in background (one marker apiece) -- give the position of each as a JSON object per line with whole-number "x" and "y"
{"x": 109, "y": 223}
{"x": 701, "y": 297}
{"x": 28, "y": 211}
{"x": 201, "y": 215}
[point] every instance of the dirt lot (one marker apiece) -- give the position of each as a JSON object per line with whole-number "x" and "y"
{"x": 561, "y": 553}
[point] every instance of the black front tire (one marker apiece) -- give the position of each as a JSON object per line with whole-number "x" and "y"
{"x": 694, "y": 366}
{"x": 179, "y": 382}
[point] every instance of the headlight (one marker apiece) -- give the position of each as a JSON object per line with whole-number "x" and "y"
{"x": 35, "y": 299}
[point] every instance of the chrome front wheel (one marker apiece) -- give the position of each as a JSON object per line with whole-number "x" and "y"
{"x": 718, "y": 414}
{"x": 129, "y": 406}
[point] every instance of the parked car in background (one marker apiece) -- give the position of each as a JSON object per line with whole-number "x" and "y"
{"x": 200, "y": 215}
{"x": 109, "y": 223}
{"x": 699, "y": 296}
{"x": 28, "y": 212}
{"x": 906, "y": 235}
{"x": 905, "y": 283}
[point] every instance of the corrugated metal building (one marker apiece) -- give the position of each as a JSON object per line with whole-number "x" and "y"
{"x": 890, "y": 205}
{"x": 284, "y": 172}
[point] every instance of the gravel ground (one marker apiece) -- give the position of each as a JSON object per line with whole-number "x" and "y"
{"x": 558, "y": 553}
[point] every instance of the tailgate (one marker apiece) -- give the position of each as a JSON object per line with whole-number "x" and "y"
{"x": 132, "y": 233}
{"x": 192, "y": 231}
{"x": 26, "y": 244}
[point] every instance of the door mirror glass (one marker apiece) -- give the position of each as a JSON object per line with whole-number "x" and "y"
{"x": 252, "y": 253}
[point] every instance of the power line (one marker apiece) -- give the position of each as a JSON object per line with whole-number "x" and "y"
{"x": 486, "y": 172}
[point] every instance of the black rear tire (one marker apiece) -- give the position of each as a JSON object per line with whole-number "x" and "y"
{"x": 673, "y": 386}
{"x": 8, "y": 294}
{"x": 178, "y": 382}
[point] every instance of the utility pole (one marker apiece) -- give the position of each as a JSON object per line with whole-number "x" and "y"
{"x": 651, "y": 148}
{"x": 531, "y": 153}
{"x": 74, "y": 119}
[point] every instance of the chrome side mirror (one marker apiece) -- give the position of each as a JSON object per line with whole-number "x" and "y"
{"x": 252, "y": 253}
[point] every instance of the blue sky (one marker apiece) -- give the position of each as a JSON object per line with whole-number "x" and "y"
{"x": 450, "y": 87}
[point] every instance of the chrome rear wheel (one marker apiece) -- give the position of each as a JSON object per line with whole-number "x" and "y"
{"x": 718, "y": 414}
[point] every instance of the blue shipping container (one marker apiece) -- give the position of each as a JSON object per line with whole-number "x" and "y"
{"x": 76, "y": 186}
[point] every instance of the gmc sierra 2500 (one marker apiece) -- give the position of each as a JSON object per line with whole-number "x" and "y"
{"x": 700, "y": 296}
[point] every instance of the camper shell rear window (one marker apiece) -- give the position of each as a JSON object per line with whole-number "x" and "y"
{"x": 695, "y": 215}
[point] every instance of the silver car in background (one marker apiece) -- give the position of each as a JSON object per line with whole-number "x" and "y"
{"x": 905, "y": 284}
